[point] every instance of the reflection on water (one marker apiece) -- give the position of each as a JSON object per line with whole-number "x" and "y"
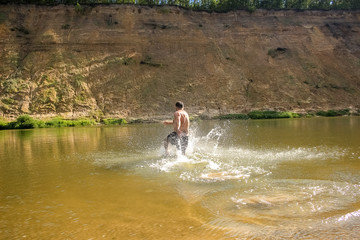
{"x": 272, "y": 179}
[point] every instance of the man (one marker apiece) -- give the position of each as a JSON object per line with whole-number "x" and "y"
{"x": 180, "y": 136}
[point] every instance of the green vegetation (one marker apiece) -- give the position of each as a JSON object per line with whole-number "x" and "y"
{"x": 26, "y": 122}
{"x": 211, "y": 5}
{"x": 234, "y": 116}
{"x": 23, "y": 30}
{"x": 127, "y": 60}
{"x": 8, "y": 101}
{"x": 14, "y": 85}
{"x": 149, "y": 62}
{"x": 272, "y": 115}
{"x": 133, "y": 121}
{"x": 3, "y": 124}
{"x": 194, "y": 118}
{"x": 59, "y": 122}
{"x": 334, "y": 113}
{"x": 114, "y": 121}
{"x": 78, "y": 8}
{"x": 3, "y": 17}
{"x": 164, "y": 10}
{"x": 277, "y": 52}
{"x": 275, "y": 114}
{"x": 65, "y": 26}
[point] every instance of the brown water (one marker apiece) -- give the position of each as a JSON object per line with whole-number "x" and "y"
{"x": 268, "y": 179}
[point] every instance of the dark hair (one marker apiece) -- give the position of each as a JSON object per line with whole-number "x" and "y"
{"x": 179, "y": 104}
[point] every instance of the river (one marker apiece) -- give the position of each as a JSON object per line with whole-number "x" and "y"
{"x": 246, "y": 179}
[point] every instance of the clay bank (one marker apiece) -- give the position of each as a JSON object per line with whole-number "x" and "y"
{"x": 135, "y": 62}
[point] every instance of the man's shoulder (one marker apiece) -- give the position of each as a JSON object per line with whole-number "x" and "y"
{"x": 180, "y": 112}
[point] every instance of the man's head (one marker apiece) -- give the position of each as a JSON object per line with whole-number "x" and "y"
{"x": 179, "y": 105}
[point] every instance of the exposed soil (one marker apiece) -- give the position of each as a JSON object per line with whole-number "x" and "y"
{"x": 135, "y": 62}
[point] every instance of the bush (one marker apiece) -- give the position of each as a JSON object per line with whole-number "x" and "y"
{"x": 134, "y": 121}
{"x": 114, "y": 121}
{"x": 23, "y": 122}
{"x": 59, "y": 122}
{"x": 127, "y": 60}
{"x": 79, "y": 9}
{"x": 271, "y": 115}
{"x": 84, "y": 122}
{"x": 333, "y": 113}
{"x": 3, "y": 124}
{"x": 194, "y": 118}
{"x": 233, "y": 116}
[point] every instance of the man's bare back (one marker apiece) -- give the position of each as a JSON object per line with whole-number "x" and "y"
{"x": 181, "y": 125}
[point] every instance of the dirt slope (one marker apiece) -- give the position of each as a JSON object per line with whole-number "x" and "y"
{"x": 130, "y": 61}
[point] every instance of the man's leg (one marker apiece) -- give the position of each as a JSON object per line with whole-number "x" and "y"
{"x": 171, "y": 138}
{"x": 184, "y": 143}
{"x": 166, "y": 145}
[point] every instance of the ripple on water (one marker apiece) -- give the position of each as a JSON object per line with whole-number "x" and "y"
{"x": 292, "y": 205}
{"x": 237, "y": 164}
{"x": 236, "y": 186}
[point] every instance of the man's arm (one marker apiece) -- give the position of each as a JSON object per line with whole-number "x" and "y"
{"x": 168, "y": 122}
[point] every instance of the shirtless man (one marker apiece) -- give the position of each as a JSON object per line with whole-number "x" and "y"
{"x": 180, "y": 136}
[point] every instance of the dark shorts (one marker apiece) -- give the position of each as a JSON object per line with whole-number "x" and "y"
{"x": 180, "y": 142}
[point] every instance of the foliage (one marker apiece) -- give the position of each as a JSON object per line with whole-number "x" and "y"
{"x": 271, "y": 115}
{"x": 127, "y": 60}
{"x": 272, "y": 53}
{"x": 133, "y": 121}
{"x": 8, "y": 101}
{"x": 149, "y": 62}
{"x": 59, "y": 122}
{"x": 65, "y": 26}
{"x": 22, "y": 122}
{"x": 234, "y": 116}
{"x": 210, "y": 5}
{"x": 114, "y": 121}
{"x": 3, "y": 124}
{"x": 13, "y": 85}
{"x": 26, "y": 122}
{"x": 194, "y": 118}
{"x": 78, "y": 8}
{"x": 79, "y": 81}
{"x": 3, "y": 17}
{"x": 334, "y": 113}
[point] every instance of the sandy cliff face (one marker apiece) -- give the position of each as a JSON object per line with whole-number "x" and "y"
{"x": 130, "y": 61}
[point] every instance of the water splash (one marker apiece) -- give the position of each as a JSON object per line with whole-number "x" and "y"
{"x": 208, "y": 159}
{"x": 239, "y": 185}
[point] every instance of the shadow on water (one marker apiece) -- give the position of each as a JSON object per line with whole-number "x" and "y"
{"x": 268, "y": 192}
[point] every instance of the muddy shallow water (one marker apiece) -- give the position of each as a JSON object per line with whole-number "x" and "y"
{"x": 263, "y": 179}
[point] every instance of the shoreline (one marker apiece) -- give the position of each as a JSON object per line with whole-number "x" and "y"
{"x": 29, "y": 122}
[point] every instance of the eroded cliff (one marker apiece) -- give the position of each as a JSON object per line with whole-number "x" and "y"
{"x": 131, "y": 61}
